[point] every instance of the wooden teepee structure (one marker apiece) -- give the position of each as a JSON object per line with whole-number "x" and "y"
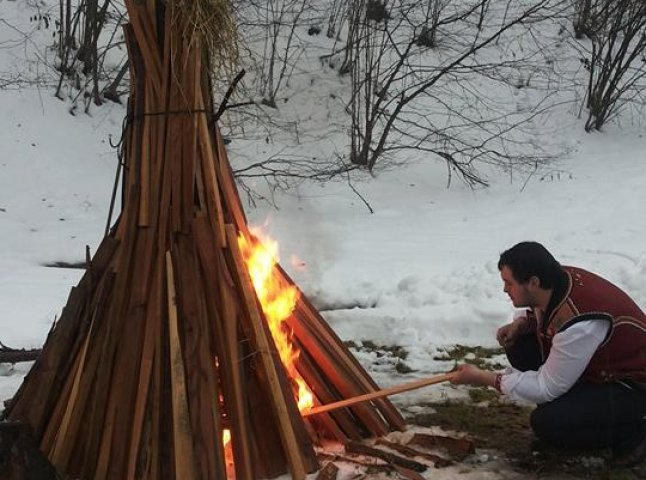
{"x": 163, "y": 345}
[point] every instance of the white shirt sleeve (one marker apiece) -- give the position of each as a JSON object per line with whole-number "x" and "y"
{"x": 570, "y": 354}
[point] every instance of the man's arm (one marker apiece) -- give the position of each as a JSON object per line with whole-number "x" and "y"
{"x": 570, "y": 354}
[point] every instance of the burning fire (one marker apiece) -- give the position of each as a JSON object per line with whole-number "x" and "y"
{"x": 278, "y": 301}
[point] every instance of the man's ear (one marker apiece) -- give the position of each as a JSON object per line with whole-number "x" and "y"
{"x": 534, "y": 281}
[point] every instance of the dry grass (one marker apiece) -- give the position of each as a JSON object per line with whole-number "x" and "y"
{"x": 212, "y": 22}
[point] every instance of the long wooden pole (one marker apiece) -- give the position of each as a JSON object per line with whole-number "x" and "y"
{"x": 380, "y": 394}
{"x": 182, "y": 434}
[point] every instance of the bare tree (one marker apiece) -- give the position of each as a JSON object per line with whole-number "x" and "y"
{"x": 89, "y": 35}
{"x": 583, "y": 18}
{"x": 274, "y": 24}
{"x": 355, "y": 14}
{"x": 406, "y": 97}
{"x": 617, "y": 58}
{"x": 428, "y": 34}
{"x": 337, "y": 12}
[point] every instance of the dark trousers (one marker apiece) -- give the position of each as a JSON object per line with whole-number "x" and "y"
{"x": 589, "y": 415}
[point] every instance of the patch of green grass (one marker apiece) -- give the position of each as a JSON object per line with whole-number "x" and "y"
{"x": 381, "y": 350}
{"x": 351, "y": 344}
{"x": 476, "y": 355}
{"x": 389, "y": 354}
{"x": 401, "y": 367}
{"x": 480, "y": 394}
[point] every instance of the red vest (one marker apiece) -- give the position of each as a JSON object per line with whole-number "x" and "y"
{"x": 622, "y": 355}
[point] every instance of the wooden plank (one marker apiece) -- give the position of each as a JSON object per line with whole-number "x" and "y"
{"x": 198, "y": 360}
{"x": 328, "y": 472}
{"x": 439, "y": 462}
{"x": 457, "y": 447}
{"x": 158, "y": 396}
{"x": 190, "y": 70}
{"x": 336, "y": 373}
{"x": 147, "y": 43}
{"x": 211, "y": 391}
{"x": 201, "y": 207}
{"x": 339, "y": 423}
{"x": 101, "y": 451}
{"x": 144, "y": 167}
{"x": 234, "y": 391}
{"x": 160, "y": 126}
{"x": 223, "y": 313}
{"x": 49, "y": 436}
{"x": 182, "y": 434}
{"x": 105, "y": 449}
{"x": 278, "y": 404}
{"x": 211, "y": 185}
{"x": 101, "y": 368}
{"x": 132, "y": 134}
{"x": 359, "y": 448}
{"x": 227, "y": 185}
{"x": 269, "y": 455}
{"x": 62, "y": 438}
{"x": 173, "y": 159}
{"x": 78, "y": 428}
{"x": 145, "y": 365}
{"x": 130, "y": 334}
{"x": 311, "y": 325}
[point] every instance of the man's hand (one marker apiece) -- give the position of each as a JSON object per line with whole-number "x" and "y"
{"x": 467, "y": 374}
{"x": 509, "y": 333}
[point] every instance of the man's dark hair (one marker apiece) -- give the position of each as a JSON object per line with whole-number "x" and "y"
{"x": 528, "y": 259}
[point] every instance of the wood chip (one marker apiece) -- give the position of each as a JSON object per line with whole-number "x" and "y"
{"x": 458, "y": 447}
{"x": 328, "y": 472}
{"x": 360, "y": 448}
{"x": 439, "y": 462}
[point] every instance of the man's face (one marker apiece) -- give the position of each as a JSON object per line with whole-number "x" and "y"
{"x": 520, "y": 293}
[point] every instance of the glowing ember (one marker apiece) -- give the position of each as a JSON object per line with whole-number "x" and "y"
{"x": 228, "y": 453}
{"x": 278, "y": 300}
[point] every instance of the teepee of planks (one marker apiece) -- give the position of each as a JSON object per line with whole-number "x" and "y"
{"x": 163, "y": 348}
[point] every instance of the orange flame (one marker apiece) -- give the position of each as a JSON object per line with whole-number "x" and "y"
{"x": 278, "y": 300}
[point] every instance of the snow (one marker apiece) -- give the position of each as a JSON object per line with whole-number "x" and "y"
{"x": 420, "y": 272}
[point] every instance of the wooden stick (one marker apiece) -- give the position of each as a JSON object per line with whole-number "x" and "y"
{"x": 182, "y": 435}
{"x": 380, "y": 393}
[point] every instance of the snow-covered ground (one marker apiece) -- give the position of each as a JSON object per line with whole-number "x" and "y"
{"x": 419, "y": 273}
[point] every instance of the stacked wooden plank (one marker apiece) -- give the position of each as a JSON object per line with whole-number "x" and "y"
{"x": 163, "y": 345}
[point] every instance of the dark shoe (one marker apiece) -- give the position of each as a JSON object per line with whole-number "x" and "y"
{"x": 633, "y": 457}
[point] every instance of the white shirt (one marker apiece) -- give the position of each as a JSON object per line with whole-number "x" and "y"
{"x": 570, "y": 354}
